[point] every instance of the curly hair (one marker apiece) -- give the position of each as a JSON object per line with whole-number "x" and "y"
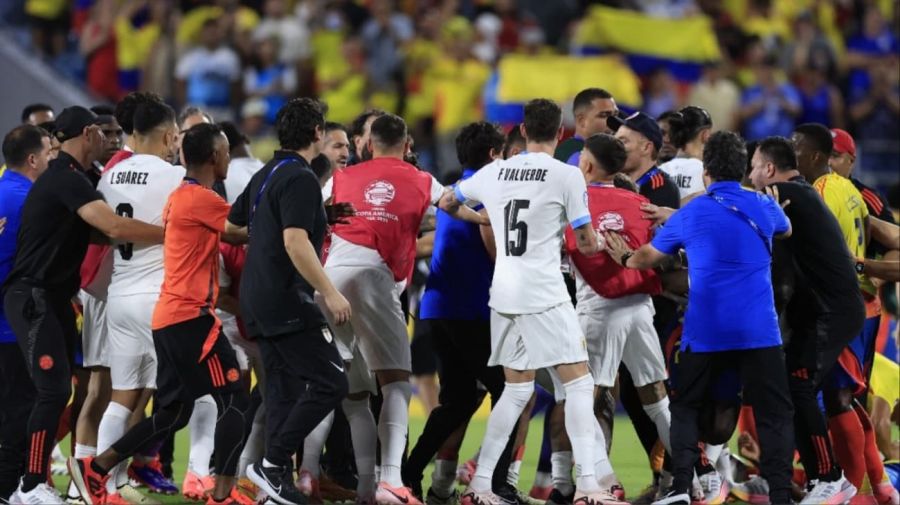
{"x": 124, "y": 111}
{"x": 474, "y": 144}
{"x": 297, "y": 121}
{"x": 725, "y": 156}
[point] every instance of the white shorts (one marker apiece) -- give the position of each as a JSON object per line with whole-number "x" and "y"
{"x": 238, "y": 343}
{"x": 622, "y": 332}
{"x": 533, "y": 341}
{"x": 94, "y": 331}
{"x": 132, "y": 356}
{"x": 377, "y": 326}
{"x": 360, "y": 378}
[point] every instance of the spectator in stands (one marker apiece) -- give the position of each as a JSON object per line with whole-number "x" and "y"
{"x": 97, "y": 44}
{"x": 136, "y": 36}
{"x": 769, "y": 107}
{"x": 269, "y": 79}
{"x": 383, "y": 35}
{"x": 875, "y": 45}
{"x": 49, "y": 25}
{"x": 809, "y": 45}
{"x": 821, "y": 101}
{"x": 661, "y": 93}
{"x": 37, "y": 114}
{"x": 209, "y": 75}
{"x": 717, "y": 95}
{"x": 876, "y": 111}
{"x": 291, "y": 30}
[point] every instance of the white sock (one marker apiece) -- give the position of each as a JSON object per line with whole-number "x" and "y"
{"x": 113, "y": 425}
{"x": 561, "y": 472}
{"x": 603, "y": 470}
{"x": 580, "y": 428}
{"x": 393, "y": 426}
{"x": 363, "y": 435}
{"x": 512, "y": 477}
{"x": 56, "y": 453}
{"x": 84, "y": 451}
{"x": 313, "y": 444}
{"x": 542, "y": 479}
{"x": 500, "y": 425}
{"x": 443, "y": 477}
{"x": 712, "y": 453}
{"x": 255, "y": 444}
{"x": 659, "y": 413}
{"x": 203, "y": 435}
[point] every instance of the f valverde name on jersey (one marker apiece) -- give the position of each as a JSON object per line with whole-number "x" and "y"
{"x": 530, "y": 197}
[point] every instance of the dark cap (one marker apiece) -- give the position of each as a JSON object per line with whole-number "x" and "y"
{"x": 641, "y": 123}
{"x": 72, "y": 121}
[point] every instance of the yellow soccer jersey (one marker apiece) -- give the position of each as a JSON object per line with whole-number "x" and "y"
{"x": 848, "y": 207}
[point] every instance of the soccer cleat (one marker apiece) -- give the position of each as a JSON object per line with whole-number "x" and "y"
{"x": 115, "y": 499}
{"x": 540, "y": 493}
{"x": 433, "y": 498}
{"x": 197, "y": 488}
{"x": 91, "y": 485}
{"x": 598, "y": 498}
{"x": 618, "y": 491}
{"x": 72, "y": 496}
{"x": 247, "y": 486}
{"x": 828, "y": 493}
{"x": 135, "y": 497}
{"x": 235, "y": 498}
{"x": 331, "y": 491}
{"x": 386, "y": 494}
{"x": 276, "y": 482}
{"x": 309, "y": 486}
{"x": 466, "y": 472}
{"x": 42, "y": 494}
{"x": 674, "y": 498}
{"x": 151, "y": 475}
{"x": 557, "y": 498}
{"x": 755, "y": 491}
{"x": 471, "y": 497}
{"x": 715, "y": 489}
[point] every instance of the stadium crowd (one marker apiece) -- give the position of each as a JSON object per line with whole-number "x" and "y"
{"x": 716, "y": 256}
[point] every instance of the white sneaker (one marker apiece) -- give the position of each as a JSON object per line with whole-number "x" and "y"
{"x": 828, "y": 493}
{"x": 40, "y": 495}
{"x": 754, "y": 491}
{"x": 715, "y": 488}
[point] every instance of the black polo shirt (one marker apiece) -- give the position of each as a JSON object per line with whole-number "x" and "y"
{"x": 275, "y": 298}
{"x": 53, "y": 239}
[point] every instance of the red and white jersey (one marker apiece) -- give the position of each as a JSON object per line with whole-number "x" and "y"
{"x": 390, "y": 197}
{"x": 139, "y": 188}
{"x": 599, "y": 277}
{"x": 529, "y": 198}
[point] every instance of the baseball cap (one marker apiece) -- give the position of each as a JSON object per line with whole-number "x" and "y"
{"x": 641, "y": 123}
{"x": 843, "y": 142}
{"x": 72, "y": 121}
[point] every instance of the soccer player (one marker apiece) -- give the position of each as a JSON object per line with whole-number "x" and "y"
{"x": 514, "y": 143}
{"x": 824, "y": 312}
{"x": 136, "y": 187}
{"x": 533, "y": 322}
{"x": 614, "y": 306}
{"x": 731, "y": 321}
{"x": 591, "y": 107}
{"x": 689, "y": 129}
{"x": 813, "y": 146}
{"x": 194, "y": 358}
{"x": 370, "y": 261}
{"x": 243, "y": 165}
{"x": 37, "y": 114}
{"x": 55, "y": 229}
{"x": 336, "y": 145}
{"x": 359, "y": 135}
{"x": 26, "y": 150}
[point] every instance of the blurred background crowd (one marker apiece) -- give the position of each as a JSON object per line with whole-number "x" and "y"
{"x": 758, "y": 66}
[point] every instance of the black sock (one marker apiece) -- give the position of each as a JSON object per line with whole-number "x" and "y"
{"x": 97, "y": 468}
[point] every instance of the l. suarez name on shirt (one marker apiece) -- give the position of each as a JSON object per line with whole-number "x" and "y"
{"x": 683, "y": 181}
{"x": 126, "y": 177}
{"x": 377, "y": 214}
{"x": 522, "y": 174}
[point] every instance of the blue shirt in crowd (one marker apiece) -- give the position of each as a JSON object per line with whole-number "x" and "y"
{"x": 13, "y": 190}
{"x": 731, "y": 305}
{"x": 773, "y": 119}
{"x": 459, "y": 284}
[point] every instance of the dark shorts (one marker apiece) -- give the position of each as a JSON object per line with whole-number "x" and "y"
{"x": 817, "y": 340}
{"x": 855, "y": 361}
{"x": 185, "y": 370}
{"x": 725, "y": 390}
{"x": 424, "y": 359}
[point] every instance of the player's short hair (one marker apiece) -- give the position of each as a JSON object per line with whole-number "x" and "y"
{"x": 102, "y": 110}
{"x": 151, "y": 115}
{"x": 234, "y": 134}
{"x": 321, "y": 165}
{"x": 779, "y": 151}
{"x": 608, "y": 150}
{"x": 124, "y": 111}
{"x": 584, "y": 98}
{"x": 21, "y": 142}
{"x": 542, "y": 120}
{"x": 686, "y": 124}
{"x": 389, "y": 131}
{"x": 32, "y": 108}
{"x": 474, "y": 144}
{"x": 331, "y": 126}
{"x": 199, "y": 143}
{"x": 725, "y": 156}
{"x": 818, "y": 136}
{"x": 190, "y": 112}
{"x": 297, "y": 121}
{"x": 359, "y": 124}
{"x": 513, "y": 137}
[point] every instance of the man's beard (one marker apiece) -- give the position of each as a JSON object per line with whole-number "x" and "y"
{"x": 366, "y": 154}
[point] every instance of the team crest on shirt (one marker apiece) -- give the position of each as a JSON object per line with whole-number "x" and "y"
{"x": 45, "y": 362}
{"x": 610, "y": 221}
{"x": 379, "y": 193}
{"x": 233, "y": 375}
{"x": 326, "y": 332}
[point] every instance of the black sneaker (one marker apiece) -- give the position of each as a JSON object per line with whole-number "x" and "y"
{"x": 674, "y": 497}
{"x": 557, "y": 498}
{"x": 277, "y": 483}
{"x": 510, "y": 495}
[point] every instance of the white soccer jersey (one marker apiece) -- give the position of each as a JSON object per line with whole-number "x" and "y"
{"x": 139, "y": 187}
{"x": 530, "y": 198}
{"x": 687, "y": 174}
{"x": 240, "y": 170}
